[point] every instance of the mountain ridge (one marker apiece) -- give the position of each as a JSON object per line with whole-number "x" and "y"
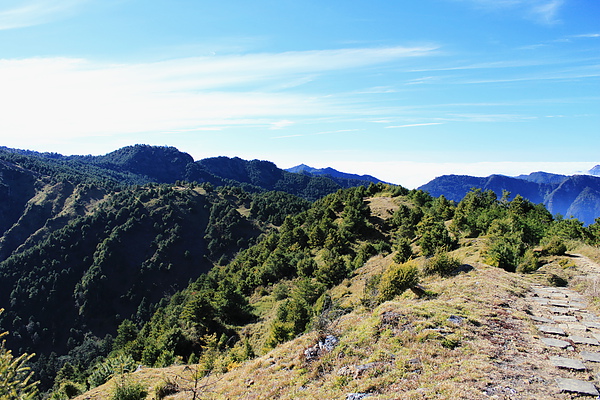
{"x": 333, "y": 173}
{"x": 141, "y": 164}
{"x": 570, "y": 196}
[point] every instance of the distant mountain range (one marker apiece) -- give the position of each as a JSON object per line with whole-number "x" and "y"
{"x": 141, "y": 164}
{"x": 333, "y": 174}
{"x": 571, "y": 196}
{"x": 595, "y": 171}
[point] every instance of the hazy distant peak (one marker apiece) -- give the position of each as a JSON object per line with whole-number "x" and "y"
{"x": 328, "y": 171}
{"x": 543, "y": 177}
{"x": 301, "y": 168}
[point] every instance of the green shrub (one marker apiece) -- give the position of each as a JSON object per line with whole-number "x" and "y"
{"x": 404, "y": 251}
{"x": 505, "y": 251}
{"x": 566, "y": 263}
{"x": 529, "y": 263}
{"x": 433, "y": 236}
{"x": 397, "y": 279}
{"x": 111, "y": 366}
{"x": 71, "y": 389}
{"x": 555, "y": 247}
{"x": 281, "y": 331}
{"x": 128, "y": 390}
{"x": 370, "y": 295}
{"x": 441, "y": 264}
{"x": 281, "y": 291}
{"x": 451, "y": 341}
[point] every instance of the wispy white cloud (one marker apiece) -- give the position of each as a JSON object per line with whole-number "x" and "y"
{"x": 480, "y": 117}
{"x": 424, "y": 80}
{"x": 23, "y": 13}
{"x": 413, "y": 125}
{"x": 68, "y": 97}
{"x": 501, "y": 64}
{"x": 378, "y": 90}
{"x": 316, "y": 133}
{"x": 547, "y": 11}
{"x": 543, "y": 11}
{"x": 587, "y": 35}
{"x": 284, "y": 123}
{"x": 287, "y": 136}
{"x": 336, "y": 131}
{"x": 573, "y": 73}
{"x": 516, "y": 70}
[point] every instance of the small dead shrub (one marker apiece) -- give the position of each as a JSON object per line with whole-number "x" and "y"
{"x": 165, "y": 388}
{"x": 557, "y": 281}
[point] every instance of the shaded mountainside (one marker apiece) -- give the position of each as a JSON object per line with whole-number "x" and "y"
{"x": 115, "y": 261}
{"x": 256, "y": 175}
{"x": 575, "y": 196}
{"x": 346, "y": 179}
{"x": 86, "y": 242}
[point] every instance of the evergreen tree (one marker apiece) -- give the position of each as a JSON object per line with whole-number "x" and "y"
{"x": 16, "y": 379}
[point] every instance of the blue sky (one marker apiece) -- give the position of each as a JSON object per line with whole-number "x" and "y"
{"x": 405, "y": 91}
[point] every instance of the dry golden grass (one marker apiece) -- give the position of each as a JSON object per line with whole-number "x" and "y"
{"x": 382, "y": 206}
{"x": 471, "y": 339}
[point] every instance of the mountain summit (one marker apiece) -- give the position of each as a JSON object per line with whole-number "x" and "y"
{"x": 332, "y": 173}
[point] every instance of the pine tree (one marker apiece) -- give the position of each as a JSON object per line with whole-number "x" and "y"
{"x": 16, "y": 379}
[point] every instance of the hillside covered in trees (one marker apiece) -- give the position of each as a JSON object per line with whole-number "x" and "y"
{"x": 110, "y": 262}
{"x": 140, "y": 164}
{"x": 576, "y": 196}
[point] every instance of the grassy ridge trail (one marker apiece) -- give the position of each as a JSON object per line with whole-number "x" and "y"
{"x": 478, "y": 336}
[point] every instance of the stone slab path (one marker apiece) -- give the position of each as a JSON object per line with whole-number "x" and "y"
{"x": 543, "y": 342}
{"x": 569, "y": 333}
{"x": 576, "y": 386}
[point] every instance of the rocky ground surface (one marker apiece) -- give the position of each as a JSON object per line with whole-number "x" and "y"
{"x": 554, "y": 352}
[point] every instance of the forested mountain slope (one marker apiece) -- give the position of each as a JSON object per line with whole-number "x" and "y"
{"x": 575, "y": 196}
{"x": 133, "y": 248}
{"x": 85, "y": 244}
{"x": 543, "y": 177}
{"x": 142, "y": 164}
{"x": 340, "y": 268}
